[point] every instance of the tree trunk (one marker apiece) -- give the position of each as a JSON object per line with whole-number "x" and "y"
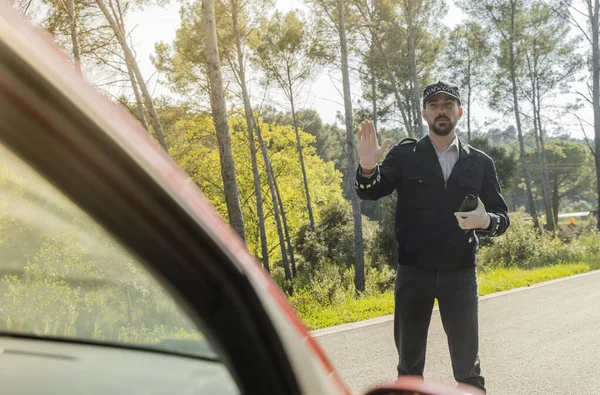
{"x": 550, "y": 211}
{"x": 555, "y": 202}
{"x": 271, "y": 182}
{"x": 541, "y": 163}
{"x": 409, "y": 127}
{"x": 311, "y": 218}
{"x": 130, "y": 60}
{"x": 410, "y": 115}
{"x": 373, "y": 84}
{"x": 118, "y": 14}
{"x": 469, "y": 89}
{"x": 250, "y": 125}
{"x": 535, "y": 104}
{"x": 219, "y": 113}
{"x": 74, "y": 38}
{"x": 359, "y": 261}
{"x": 286, "y": 229}
{"x": 138, "y": 98}
{"x": 420, "y": 131}
{"x": 513, "y": 78}
{"x": 595, "y": 21}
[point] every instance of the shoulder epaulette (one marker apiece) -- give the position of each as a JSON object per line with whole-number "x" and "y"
{"x": 407, "y": 140}
{"x": 485, "y": 154}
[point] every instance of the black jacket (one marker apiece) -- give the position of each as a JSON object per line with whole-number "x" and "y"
{"x": 427, "y": 232}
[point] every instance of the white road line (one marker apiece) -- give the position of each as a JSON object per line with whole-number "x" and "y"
{"x": 380, "y": 320}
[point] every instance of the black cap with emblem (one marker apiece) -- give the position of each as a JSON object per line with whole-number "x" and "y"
{"x": 440, "y": 87}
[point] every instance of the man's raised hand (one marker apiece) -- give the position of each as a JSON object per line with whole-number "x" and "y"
{"x": 369, "y": 151}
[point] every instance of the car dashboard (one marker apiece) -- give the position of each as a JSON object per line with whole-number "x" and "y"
{"x": 33, "y": 366}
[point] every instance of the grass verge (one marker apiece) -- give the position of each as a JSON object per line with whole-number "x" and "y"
{"x": 358, "y": 309}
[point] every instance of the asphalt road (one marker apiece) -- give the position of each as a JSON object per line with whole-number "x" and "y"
{"x": 544, "y": 339}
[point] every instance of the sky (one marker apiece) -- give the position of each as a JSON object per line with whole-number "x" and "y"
{"x": 323, "y": 93}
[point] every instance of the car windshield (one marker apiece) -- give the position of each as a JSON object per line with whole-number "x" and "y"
{"x": 62, "y": 276}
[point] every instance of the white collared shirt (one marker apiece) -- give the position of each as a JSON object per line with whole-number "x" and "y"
{"x": 448, "y": 158}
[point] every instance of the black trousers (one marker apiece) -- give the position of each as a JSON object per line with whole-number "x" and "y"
{"x": 456, "y": 291}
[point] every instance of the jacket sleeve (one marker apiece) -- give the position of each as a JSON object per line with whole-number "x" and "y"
{"x": 383, "y": 180}
{"x": 495, "y": 204}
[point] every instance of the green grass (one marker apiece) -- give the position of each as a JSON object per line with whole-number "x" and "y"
{"x": 358, "y": 309}
{"x": 351, "y": 310}
{"x": 504, "y": 279}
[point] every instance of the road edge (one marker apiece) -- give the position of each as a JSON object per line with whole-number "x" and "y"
{"x": 380, "y": 320}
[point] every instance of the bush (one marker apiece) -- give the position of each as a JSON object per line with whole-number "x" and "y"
{"x": 334, "y": 285}
{"x": 516, "y": 248}
{"x": 332, "y": 240}
{"x": 521, "y": 246}
{"x": 590, "y": 240}
{"x": 554, "y": 251}
{"x": 590, "y": 227}
{"x": 315, "y": 289}
{"x": 383, "y": 253}
{"x": 378, "y": 281}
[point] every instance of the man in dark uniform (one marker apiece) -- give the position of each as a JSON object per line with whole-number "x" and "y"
{"x": 436, "y": 244}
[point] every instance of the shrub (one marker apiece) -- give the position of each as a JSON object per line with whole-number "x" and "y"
{"x": 328, "y": 286}
{"x": 516, "y": 248}
{"x": 521, "y": 246}
{"x": 554, "y": 251}
{"x": 332, "y": 240}
{"x": 334, "y": 285}
{"x": 383, "y": 250}
{"x": 378, "y": 281}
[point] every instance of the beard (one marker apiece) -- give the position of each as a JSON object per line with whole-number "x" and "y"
{"x": 442, "y": 130}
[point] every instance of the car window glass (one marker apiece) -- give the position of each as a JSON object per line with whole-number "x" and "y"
{"x": 63, "y": 276}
